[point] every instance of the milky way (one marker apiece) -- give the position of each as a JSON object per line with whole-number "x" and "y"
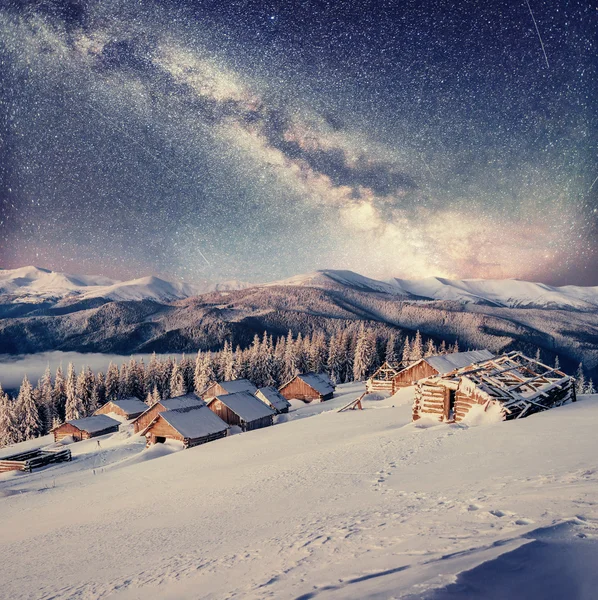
{"x": 255, "y": 140}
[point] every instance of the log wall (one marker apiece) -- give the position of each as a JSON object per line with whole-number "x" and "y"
{"x": 411, "y": 374}
{"x": 141, "y": 422}
{"x": 297, "y": 389}
{"x": 224, "y": 412}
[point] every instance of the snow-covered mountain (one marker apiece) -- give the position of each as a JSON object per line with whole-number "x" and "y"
{"x": 510, "y": 293}
{"x": 32, "y": 284}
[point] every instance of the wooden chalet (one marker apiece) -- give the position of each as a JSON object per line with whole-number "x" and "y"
{"x": 308, "y": 387}
{"x": 382, "y": 379}
{"x": 221, "y": 388}
{"x": 84, "y": 429}
{"x": 187, "y": 401}
{"x": 129, "y": 408}
{"x": 519, "y": 385}
{"x": 192, "y": 426}
{"x": 242, "y": 409}
{"x": 274, "y": 399}
{"x": 437, "y": 365}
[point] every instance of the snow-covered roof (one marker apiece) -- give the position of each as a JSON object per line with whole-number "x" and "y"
{"x": 246, "y": 406}
{"x": 186, "y": 401}
{"x": 238, "y": 385}
{"x": 95, "y": 423}
{"x": 194, "y": 422}
{"x": 318, "y": 381}
{"x": 445, "y": 363}
{"x": 131, "y": 406}
{"x": 273, "y": 397}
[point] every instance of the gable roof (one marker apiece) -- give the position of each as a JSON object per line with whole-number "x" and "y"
{"x": 130, "y": 406}
{"x": 186, "y": 401}
{"x": 272, "y": 395}
{"x": 93, "y": 424}
{"x": 445, "y": 363}
{"x": 194, "y": 422}
{"x": 238, "y": 385}
{"x": 318, "y": 381}
{"x": 246, "y": 406}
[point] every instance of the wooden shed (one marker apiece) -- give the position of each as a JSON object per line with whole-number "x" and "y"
{"x": 187, "y": 401}
{"x": 437, "y": 365}
{"x": 83, "y": 429}
{"x": 382, "y": 379}
{"x": 242, "y": 409}
{"x": 193, "y": 426}
{"x": 220, "y": 388}
{"x": 518, "y": 385}
{"x": 129, "y": 408}
{"x": 274, "y": 399}
{"x": 308, "y": 387}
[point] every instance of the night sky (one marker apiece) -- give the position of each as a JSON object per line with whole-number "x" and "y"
{"x": 256, "y": 140}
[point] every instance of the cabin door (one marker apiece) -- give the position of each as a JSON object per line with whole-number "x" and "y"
{"x": 449, "y": 404}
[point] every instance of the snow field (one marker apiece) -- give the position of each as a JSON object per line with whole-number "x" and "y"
{"x": 360, "y": 504}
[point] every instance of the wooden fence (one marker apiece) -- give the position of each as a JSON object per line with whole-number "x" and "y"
{"x": 34, "y": 459}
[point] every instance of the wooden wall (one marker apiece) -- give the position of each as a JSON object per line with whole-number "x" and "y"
{"x": 67, "y": 429}
{"x": 224, "y": 412}
{"x": 412, "y": 374}
{"x": 299, "y": 390}
{"x": 147, "y": 417}
{"x": 214, "y": 390}
{"x": 111, "y": 408}
{"x": 431, "y": 399}
{"x": 258, "y": 423}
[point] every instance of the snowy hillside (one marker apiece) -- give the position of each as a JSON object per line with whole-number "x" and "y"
{"x": 327, "y": 505}
{"x": 32, "y": 284}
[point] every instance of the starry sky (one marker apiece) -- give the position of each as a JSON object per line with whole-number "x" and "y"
{"x": 216, "y": 139}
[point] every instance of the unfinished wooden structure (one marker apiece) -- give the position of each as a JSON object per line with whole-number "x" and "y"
{"x": 33, "y": 459}
{"x": 192, "y": 426}
{"x": 353, "y": 405}
{"x": 187, "y": 401}
{"x": 517, "y": 384}
{"x": 437, "y": 365}
{"x": 308, "y": 387}
{"x": 274, "y": 399}
{"x": 129, "y": 408}
{"x": 242, "y": 409}
{"x": 86, "y": 428}
{"x": 382, "y": 379}
{"x": 220, "y": 388}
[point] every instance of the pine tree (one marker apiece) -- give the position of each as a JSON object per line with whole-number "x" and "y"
{"x": 291, "y": 361}
{"x": 112, "y": 382}
{"x": 152, "y": 374}
{"x": 362, "y": 360}
{"x": 46, "y": 396}
{"x": 538, "y": 357}
{"x": 9, "y": 433}
{"x": 456, "y": 346}
{"x": 198, "y": 384}
{"x": 335, "y": 359}
{"x": 590, "y": 389}
{"x": 27, "y": 413}
{"x": 59, "y": 394}
{"x": 430, "y": 348}
{"x": 580, "y": 380}
{"x": 317, "y": 353}
{"x": 83, "y": 389}
{"x": 227, "y": 360}
{"x": 557, "y": 363}
{"x": 417, "y": 350}
{"x": 153, "y": 397}
{"x": 187, "y": 368}
{"x": 442, "y": 349}
{"x": 177, "y": 382}
{"x": 205, "y": 374}
{"x": 390, "y": 355}
{"x": 135, "y": 380}
{"x": 73, "y": 408}
{"x": 123, "y": 382}
{"x": 347, "y": 346}
{"x": 406, "y": 358}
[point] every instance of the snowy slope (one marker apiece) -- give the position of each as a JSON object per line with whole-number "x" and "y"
{"x": 352, "y": 505}
{"x": 32, "y": 284}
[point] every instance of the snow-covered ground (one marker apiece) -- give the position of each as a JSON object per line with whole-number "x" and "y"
{"x": 359, "y": 504}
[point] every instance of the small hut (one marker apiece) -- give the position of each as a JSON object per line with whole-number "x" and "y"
{"x": 228, "y": 387}
{"x": 519, "y": 386}
{"x": 381, "y": 380}
{"x": 129, "y": 408}
{"x": 84, "y": 429}
{"x": 437, "y": 365}
{"x": 274, "y": 399}
{"x": 243, "y": 410}
{"x": 187, "y": 401}
{"x": 193, "y": 426}
{"x": 308, "y": 387}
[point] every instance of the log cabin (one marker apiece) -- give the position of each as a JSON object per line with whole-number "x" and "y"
{"x": 382, "y": 379}
{"x": 192, "y": 426}
{"x": 308, "y": 387}
{"x": 84, "y": 429}
{"x": 187, "y": 401}
{"x": 220, "y": 388}
{"x": 243, "y": 410}
{"x": 437, "y": 365}
{"x": 515, "y": 384}
{"x": 129, "y": 408}
{"x": 274, "y": 399}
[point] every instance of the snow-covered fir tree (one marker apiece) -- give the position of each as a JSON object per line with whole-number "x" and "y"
{"x": 430, "y": 349}
{"x": 362, "y": 361}
{"x": 406, "y": 356}
{"x": 112, "y": 382}
{"x": 227, "y": 362}
{"x": 59, "y": 394}
{"x": 291, "y": 360}
{"x": 580, "y": 380}
{"x": 73, "y": 408}
{"x": 390, "y": 354}
{"x": 47, "y": 409}
{"x": 335, "y": 359}
{"x": 417, "y": 348}
{"x": 9, "y": 433}
{"x": 590, "y": 389}
{"x": 27, "y": 413}
{"x": 177, "y": 382}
